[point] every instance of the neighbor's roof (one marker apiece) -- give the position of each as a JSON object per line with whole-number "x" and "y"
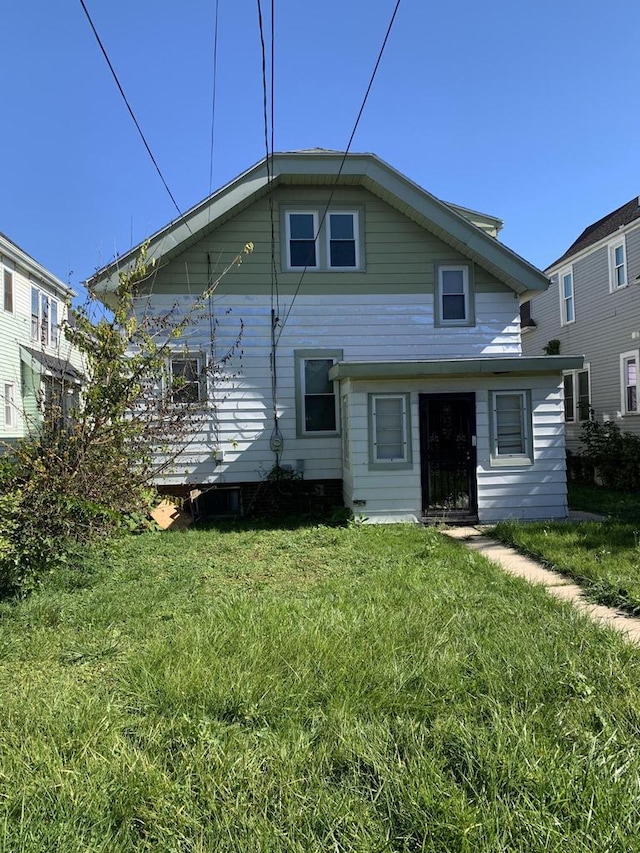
{"x": 604, "y": 227}
{"x": 20, "y": 257}
{"x": 320, "y": 167}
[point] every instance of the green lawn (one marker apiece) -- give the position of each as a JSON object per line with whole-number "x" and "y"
{"x": 312, "y": 689}
{"x": 603, "y": 556}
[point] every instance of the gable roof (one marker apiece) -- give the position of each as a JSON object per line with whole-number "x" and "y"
{"x": 33, "y": 268}
{"x": 319, "y": 167}
{"x": 604, "y": 227}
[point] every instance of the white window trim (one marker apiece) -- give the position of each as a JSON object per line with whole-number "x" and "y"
{"x": 6, "y": 270}
{"x": 512, "y": 459}
{"x": 201, "y": 380}
{"x": 52, "y": 340}
{"x": 574, "y": 374}
{"x": 624, "y": 357}
{"x": 356, "y": 238}
{"x": 10, "y": 413}
{"x": 564, "y": 320}
{"x": 287, "y": 216}
{"x": 468, "y": 319}
{"x": 300, "y": 358}
{"x": 395, "y": 463}
{"x": 613, "y": 279}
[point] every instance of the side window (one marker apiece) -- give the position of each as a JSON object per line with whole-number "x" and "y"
{"x": 567, "y": 305}
{"x": 44, "y": 319}
{"x": 316, "y": 397}
{"x": 186, "y": 379}
{"x": 7, "y": 278}
{"x": 453, "y": 303}
{"x": 342, "y": 233}
{"x": 35, "y": 314}
{"x": 389, "y": 430}
{"x": 54, "y": 323}
{"x": 511, "y": 441}
{"x": 577, "y": 395}
{"x": 302, "y": 231}
{"x": 617, "y": 265}
{"x": 10, "y": 419}
{"x": 629, "y": 382}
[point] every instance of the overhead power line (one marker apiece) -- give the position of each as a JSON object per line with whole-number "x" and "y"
{"x": 131, "y": 113}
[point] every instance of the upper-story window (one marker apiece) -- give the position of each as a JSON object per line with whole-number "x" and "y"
{"x": 319, "y": 240}
{"x": 629, "y": 382}
{"x": 44, "y": 318}
{"x": 7, "y": 286}
{"x": 567, "y": 304}
{"x": 453, "y": 302}
{"x": 617, "y": 265}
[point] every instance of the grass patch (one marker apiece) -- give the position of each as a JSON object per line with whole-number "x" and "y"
{"x": 623, "y": 506}
{"x": 312, "y": 689}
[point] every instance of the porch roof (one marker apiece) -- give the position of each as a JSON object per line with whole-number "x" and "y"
{"x": 521, "y": 365}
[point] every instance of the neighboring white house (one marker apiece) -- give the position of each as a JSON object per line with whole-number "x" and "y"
{"x": 36, "y": 362}
{"x": 593, "y": 308}
{"x": 380, "y": 355}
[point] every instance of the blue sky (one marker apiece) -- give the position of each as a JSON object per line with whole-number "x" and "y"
{"x": 526, "y": 111}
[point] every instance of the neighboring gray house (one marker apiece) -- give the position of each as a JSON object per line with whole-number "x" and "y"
{"x": 36, "y": 362}
{"x": 381, "y": 356}
{"x": 593, "y": 309}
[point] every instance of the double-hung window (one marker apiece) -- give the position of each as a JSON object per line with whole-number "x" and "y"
{"x": 186, "y": 379}
{"x": 7, "y": 280}
{"x": 567, "y": 305}
{"x": 577, "y": 395}
{"x": 511, "y": 442}
{"x": 453, "y": 304}
{"x": 316, "y": 398}
{"x": 44, "y": 318}
{"x": 389, "y": 434}
{"x": 617, "y": 265}
{"x": 9, "y": 405}
{"x": 629, "y": 362}
{"x": 322, "y": 239}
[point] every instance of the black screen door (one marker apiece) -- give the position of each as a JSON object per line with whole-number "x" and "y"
{"x": 448, "y": 456}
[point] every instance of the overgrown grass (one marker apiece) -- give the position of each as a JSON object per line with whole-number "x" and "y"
{"x": 312, "y": 689}
{"x": 623, "y": 506}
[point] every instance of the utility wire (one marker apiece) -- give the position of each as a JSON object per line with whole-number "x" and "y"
{"x": 131, "y": 113}
{"x": 344, "y": 158}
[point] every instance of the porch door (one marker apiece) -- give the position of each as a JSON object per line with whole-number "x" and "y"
{"x": 448, "y": 456}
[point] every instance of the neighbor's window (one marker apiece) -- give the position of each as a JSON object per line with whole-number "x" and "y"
{"x": 302, "y": 232}
{"x": 453, "y": 300}
{"x": 343, "y": 246}
{"x": 316, "y": 397}
{"x": 567, "y": 308}
{"x": 577, "y": 396}
{"x": 629, "y": 380}
{"x": 617, "y": 265}
{"x": 8, "y": 290}
{"x": 389, "y": 429}
{"x": 186, "y": 379}
{"x": 44, "y": 318}
{"x": 9, "y": 405}
{"x": 511, "y": 428}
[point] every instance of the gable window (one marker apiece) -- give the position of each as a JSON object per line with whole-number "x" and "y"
{"x": 302, "y": 232}
{"x": 186, "y": 379}
{"x": 617, "y": 265}
{"x": 511, "y": 442}
{"x": 629, "y": 382}
{"x": 577, "y": 395}
{"x": 453, "y": 296}
{"x": 322, "y": 239}
{"x": 390, "y": 439}
{"x": 8, "y": 290}
{"x": 316, "y": 398}
{"x": 44, "y": 318}
{"x": 567, "y": 308}
{"x": 9, "y": 405}
{"x": 343, "y": 246}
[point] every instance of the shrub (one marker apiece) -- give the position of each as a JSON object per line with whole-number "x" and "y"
{"x": 615, "y": 455}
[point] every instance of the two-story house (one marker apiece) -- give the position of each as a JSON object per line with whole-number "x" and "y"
{"x": 380, "y": 354}
{"x": 36, "y": 362}
{"x": 593, "y": 308}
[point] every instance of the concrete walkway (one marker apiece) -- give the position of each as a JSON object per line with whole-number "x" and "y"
{"x": 555, "y": 583}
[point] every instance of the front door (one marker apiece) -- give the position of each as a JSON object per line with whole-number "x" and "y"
{"x": 448, "y": 456}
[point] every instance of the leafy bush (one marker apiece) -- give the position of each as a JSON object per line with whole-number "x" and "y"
{"x": 615, "y": 455}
